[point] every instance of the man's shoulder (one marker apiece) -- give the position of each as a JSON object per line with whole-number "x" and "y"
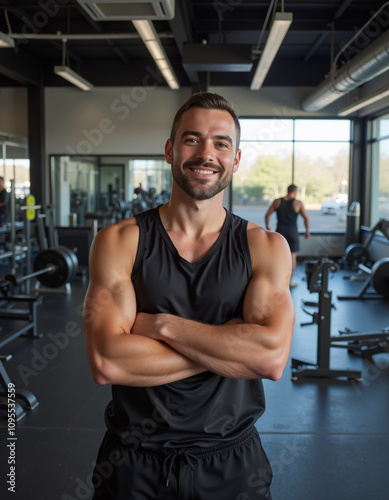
{"x": 119, "y": 235}
{"x": 261, "y": 240}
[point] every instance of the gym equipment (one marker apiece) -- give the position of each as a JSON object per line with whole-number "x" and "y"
{"x": 377, "y": 277}
{"x": 364, "y": 343}
{"x": 358, "y": 253}
{"x": 317, "y": 280}
{"x": 53, "y": 268}
{"x": 30, "y": 401}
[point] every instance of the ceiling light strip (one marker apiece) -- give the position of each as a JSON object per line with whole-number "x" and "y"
{"x": 6, "y": 41}
{"x": 73, "y": 77}
{"x": 150, "y": 38}
{"x": 278, "y": 30}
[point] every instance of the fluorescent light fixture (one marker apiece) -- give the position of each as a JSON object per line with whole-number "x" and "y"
{"x": 73, "y": 77}
{"x": 278, "y": 30}
{"x": 6, "y": 41}
{"x": 150, "y": 38}
{"x": 376, "y": 96}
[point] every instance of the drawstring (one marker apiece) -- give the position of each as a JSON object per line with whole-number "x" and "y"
{"x": 189, "y": 457}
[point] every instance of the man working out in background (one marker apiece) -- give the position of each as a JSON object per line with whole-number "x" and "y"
{"x": 4, "y": 202}
{"x": 188, "y": 308}
{"x": 287, "y": 210}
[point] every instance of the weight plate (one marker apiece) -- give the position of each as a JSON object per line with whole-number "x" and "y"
{"x": 380, "y": 276}
{"x": 356, "y": 254}
{"x": 63, "y": 267}
{"x": 73, "y": 258}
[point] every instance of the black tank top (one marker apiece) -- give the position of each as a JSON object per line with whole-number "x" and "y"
{"x": 286, "y": 215}
{"x": 206, "y": 408}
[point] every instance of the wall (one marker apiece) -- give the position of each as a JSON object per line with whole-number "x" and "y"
{"x": 113, "y": 121}
{"x": 137, "y": 120}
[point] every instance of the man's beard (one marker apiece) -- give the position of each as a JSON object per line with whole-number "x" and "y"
{"x": 202, "y": 189}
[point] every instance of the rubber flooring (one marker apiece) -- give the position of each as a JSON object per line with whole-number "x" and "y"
{"x": 326, "y": 438}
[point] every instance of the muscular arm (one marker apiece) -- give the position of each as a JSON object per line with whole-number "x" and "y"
{"x": 260, "y": 346}
{"x": 304, "y": 214}
{"x": 117, "y": 355}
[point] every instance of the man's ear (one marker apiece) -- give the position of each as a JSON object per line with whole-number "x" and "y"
{"x": 237, "y": 160}
{"x": 168, "y": 151}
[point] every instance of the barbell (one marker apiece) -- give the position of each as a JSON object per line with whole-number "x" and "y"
{"x": 53, "y": 267}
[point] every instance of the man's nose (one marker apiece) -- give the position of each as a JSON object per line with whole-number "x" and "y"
{"x": 206, "y": 152}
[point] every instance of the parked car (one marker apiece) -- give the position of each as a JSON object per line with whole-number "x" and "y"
{"x": 335, "y": 205}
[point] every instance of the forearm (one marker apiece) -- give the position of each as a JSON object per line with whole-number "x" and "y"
{"x": 127, "y": 359}
{"x": 306, "y": 223}
{"x": 231, "y": 350}
{"x": 267, "y": 218}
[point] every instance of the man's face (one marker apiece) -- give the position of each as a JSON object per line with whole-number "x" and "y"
{"x": 203, "y": 155}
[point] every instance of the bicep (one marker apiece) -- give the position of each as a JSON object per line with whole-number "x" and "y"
{"x": 110, "y": 304}
{"x": 267, "y": 300}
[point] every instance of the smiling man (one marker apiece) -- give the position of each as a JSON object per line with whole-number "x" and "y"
{"x": 188, "y": 309}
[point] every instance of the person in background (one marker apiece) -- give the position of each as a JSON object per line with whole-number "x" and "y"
{"x": 4, "y": 202}
{"x": 287, "y": 209}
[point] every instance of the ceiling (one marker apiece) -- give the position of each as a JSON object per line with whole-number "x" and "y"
{"x": 319, "y": 29}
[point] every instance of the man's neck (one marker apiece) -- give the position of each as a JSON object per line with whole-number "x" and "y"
{"x": 195, "y": 218}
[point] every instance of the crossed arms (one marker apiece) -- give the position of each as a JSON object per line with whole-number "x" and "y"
{"x": 141, "y": 349}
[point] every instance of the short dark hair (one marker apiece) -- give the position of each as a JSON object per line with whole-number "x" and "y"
{"x": 206, "y": 100}
{"x": 292, "y": 188}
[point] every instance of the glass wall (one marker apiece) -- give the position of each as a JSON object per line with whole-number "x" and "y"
{"x": 14, "y": 164}
{"x": 313, "y": 154}
{"x": 380, "y": 168}
{"x": 107, "y": 188}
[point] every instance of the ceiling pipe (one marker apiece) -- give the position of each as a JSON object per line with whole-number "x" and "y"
{"x": 81, "y": 36}
{"x": 365, "y": 66}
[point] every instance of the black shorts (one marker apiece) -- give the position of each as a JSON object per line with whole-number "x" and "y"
{"x": 236, "y": 470}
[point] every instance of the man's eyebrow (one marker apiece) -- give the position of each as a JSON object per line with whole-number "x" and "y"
{"x": 191, "y": 132}
{"x": 226, "y": 138}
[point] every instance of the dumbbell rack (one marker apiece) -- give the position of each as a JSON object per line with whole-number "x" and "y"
{"x": 317, "y": 278}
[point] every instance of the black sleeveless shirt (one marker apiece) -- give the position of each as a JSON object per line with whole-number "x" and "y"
{"x": 206, "y": 408}
{"x": 286, "y": 214}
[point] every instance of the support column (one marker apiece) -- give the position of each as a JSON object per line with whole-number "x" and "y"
{"x": 36, "y": 142}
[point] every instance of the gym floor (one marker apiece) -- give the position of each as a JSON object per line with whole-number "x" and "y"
{"x": 326, "y": 438}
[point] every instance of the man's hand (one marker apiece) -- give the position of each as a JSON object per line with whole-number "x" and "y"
{"x": 148, "y": 325}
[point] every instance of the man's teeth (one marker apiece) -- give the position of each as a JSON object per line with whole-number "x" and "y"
{"x": 203, "y": 171}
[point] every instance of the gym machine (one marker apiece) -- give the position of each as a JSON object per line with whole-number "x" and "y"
{"x": 377, "y": 277}
{"x": 358, "y": 253}
{"x": 372, "y": 275}
{"x": 317, "y": 279}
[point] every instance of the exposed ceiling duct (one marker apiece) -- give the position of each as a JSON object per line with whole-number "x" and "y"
{"x": 121, "y": 10}
{"x": 365, "y": 66}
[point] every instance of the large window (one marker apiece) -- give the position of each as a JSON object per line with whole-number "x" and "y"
{"x": 380, "y": 168}
{"x": 15, "y": 165}
{"x": 107, "y": 188}
{"x": 313, "y": 154}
